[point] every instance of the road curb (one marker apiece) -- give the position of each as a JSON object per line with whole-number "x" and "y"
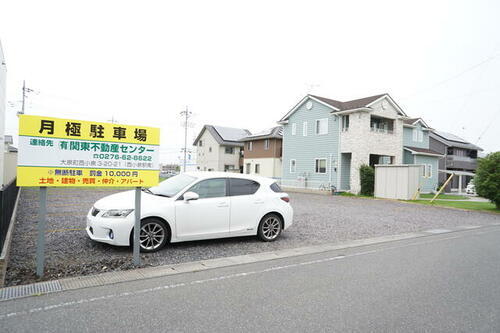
{"x": 39, "y": 288}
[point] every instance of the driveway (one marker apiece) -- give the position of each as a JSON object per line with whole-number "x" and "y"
{"x": 318, "y": 219}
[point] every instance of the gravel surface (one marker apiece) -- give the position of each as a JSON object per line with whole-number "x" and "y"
{"x": 318, "y": 219}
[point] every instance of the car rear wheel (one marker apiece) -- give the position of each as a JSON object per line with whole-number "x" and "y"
{"x": 270, "y": 228}
{"x": 153, "y": 236}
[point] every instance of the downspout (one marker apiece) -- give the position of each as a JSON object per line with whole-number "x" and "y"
{"x": 331, "y": 167}
{"x": 339, "y": 153}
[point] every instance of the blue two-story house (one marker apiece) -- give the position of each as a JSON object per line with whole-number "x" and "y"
{"x": 416, "y": 150}
{"x": 325, "y": 141}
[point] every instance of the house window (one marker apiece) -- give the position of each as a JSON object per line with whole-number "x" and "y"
{"x": 248, "y": 169}
{"x": 293, "y": 166}
{"x": 294, "y": 128}
{"x": 257, "y": 168}
{"x": 418, "y": 135}
{"x": 266, "y": 144}
{"x": 321, "y": 165}
{"x": 304, "y": 128}
{"x": 229, "y": 150}
{"x": 250, "y": 145}
{"x": 200, "y": 143}
{"x": 345, "y": 123}
{"x": 228, "y": 167}
{"x": 427, "y": 171}
{"x": 209, "y": 149}
{"x": 322, "y": 126}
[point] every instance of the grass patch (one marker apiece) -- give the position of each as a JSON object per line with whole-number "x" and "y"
{"x": 444, "y": 196}
{"x": 472, "y": 205}
{"x": 349, "y": 194}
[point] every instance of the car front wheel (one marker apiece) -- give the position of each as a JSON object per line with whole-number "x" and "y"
{"x": 270, "y": 228}
{"x": 153, "y": 235}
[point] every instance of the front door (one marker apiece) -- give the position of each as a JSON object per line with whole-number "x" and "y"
{"x": 207, "y": 217}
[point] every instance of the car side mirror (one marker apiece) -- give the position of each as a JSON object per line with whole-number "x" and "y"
{"x": 188, "y": 196}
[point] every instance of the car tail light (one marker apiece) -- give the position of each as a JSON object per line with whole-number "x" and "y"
{"x": 285, "y": 199}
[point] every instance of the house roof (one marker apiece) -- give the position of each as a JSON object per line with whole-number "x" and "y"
{"x": 413, "y": 121}
{"x": 226, "y": 136}
{"x": 422, "y": 151}
{"x": 270, "y": 133}
{"x": 339, "y": 106}
{"x": 452, "y": 140}
{"x": 350, "y": 105}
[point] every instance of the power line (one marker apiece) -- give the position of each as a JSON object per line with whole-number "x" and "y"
{"x": 488, "y": 126}
{"x": 455, "y": 76}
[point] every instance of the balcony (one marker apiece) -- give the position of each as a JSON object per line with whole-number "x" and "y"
{"x": 381, "y": 125}
{"x": 461, "y": 162}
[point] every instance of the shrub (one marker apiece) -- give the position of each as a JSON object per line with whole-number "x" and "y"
{"x": 487, "y": 179}
{"x": 367, "y": 180}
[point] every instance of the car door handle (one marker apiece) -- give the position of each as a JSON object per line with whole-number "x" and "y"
{"x": 259, "y": 201}
{"x": 223, "y": 204}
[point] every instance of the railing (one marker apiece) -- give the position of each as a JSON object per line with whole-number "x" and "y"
{"x": 381, "y": 130}
{"x": 7, "y": 201}
{"x": 304, "y": 183}
{"x": 461, "y": 158}
{"x": 462, "y": 162}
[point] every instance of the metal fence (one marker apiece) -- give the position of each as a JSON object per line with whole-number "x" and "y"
{"x": 307, "y": 184}
{"x": 7, "y": 200}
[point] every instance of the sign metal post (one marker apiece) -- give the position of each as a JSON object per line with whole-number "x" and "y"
{"x": 40, "y": 244}
{"x": 137, "y": 226}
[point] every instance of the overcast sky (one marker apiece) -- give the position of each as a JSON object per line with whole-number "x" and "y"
{"x": 246, "y": 64}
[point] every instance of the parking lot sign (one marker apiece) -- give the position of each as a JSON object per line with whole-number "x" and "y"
{"x": 56, "y": 152}
{"x": 74, "y": 153}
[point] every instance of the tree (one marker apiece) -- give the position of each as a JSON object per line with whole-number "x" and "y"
{"x": 367, "y": 180}
{"x": 487, "y": 179}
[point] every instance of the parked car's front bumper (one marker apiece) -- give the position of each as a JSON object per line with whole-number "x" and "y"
{"x": 110, "y": 230}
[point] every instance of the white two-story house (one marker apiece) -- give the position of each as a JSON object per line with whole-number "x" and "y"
{"x": 220, "y": 149}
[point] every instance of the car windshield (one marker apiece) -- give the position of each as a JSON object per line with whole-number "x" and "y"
{"x": 172, "y": 186}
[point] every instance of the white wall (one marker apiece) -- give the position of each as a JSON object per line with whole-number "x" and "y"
{"x": 269, "y": 166}
{"x": 3, "y": 74}
{"x": 229, "y": 159}
{"x": 361, "y": 141}
{"x": 10, "y": 167}
{"x": 206, "y": 159}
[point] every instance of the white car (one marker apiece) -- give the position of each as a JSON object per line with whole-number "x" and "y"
{"x": 471, "y": 188}
{"x": 193, "y": 206}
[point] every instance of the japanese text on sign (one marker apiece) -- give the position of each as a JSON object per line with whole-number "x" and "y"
{"x": 62, "y": 152}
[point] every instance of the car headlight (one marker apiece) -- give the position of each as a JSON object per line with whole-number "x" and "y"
{"x": 117, "y": 213}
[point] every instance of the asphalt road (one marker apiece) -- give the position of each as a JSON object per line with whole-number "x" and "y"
{"x": 440, "y": 283}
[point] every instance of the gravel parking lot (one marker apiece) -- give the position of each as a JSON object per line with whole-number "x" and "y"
{"x": 318, "y": 219}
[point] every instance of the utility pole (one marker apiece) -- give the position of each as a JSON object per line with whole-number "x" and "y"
{"x": 25, "y": 95}
{"x": 186, "y": 114}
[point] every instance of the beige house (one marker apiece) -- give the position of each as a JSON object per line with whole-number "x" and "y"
{"x": 220, "y": 149}
{"x": 262, "y": 155}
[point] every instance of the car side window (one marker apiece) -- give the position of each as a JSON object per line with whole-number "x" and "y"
{"x": 242, "y": 186}
{"x": 210, "y": 188}
{"x": 276, "y": 188}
